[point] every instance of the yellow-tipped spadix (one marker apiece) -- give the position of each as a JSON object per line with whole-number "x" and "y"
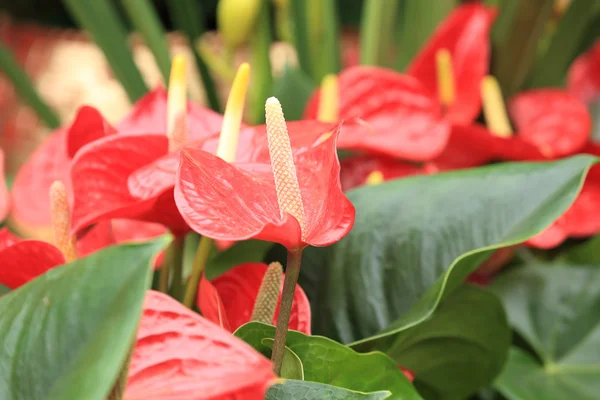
{"x": 289, "y": 197}
{"x": 232, "y": 119}
{"x": 494, "y": 110}
{"x": 329, "y": 99}
{"x": 61, "y": 221}
{"x": 177, "y": 104}
{"x": 445, "y": 77}
{"x": 374, "y": 178}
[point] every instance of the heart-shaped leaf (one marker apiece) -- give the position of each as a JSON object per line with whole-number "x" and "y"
{"x": 292, "y": 367}
{"x": 460, "y": 349}
{"x": 415, "y": 239}
{"x": 555, "y": 309}
{"x": 302, "y": 390}
{"x": 326, "y": 361}
{"x": 65, "y": 334}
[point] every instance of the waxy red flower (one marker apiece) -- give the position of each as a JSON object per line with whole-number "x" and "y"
{"x": 30, "y": 213}
{"x": 180, "y": 355}
{"x": 583, "y": 79}
{"x": 228, "y": 300}
{"x": 131, "y": 174}
{"x": 405, "y": 116}
{"x": 239, "y": 201}
{"x": 4, "y": 196}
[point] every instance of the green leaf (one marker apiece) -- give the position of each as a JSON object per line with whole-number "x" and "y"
{"x": 460, "y": 349}
{"x": 293, "y": 90}
{"x": 262, "y": 76}
{"x": 292, "y": 367}
{"x": 515, "y": 37}
{"x": 524, "y": 378}
{"x": 415, "y": 239}
{"x": 240, "y": 253}
{"x": 586, "y": 253}
{"x": 326, "y": 361}
{"x": 65, "y": 335}
{"x": 301, "y": 390}
{"x": 555, "y": 309}
{"x": 572, "y": 30}
{"x": 146, "y": 21}
{"x": 102, "y": 22}
{"x": 301, "y": 35}
{"x": 25, "y": 87}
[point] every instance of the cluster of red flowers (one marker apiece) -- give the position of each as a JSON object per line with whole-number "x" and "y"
{"x": 134, "y": 181}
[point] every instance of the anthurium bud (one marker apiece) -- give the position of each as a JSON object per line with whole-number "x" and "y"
{"x": 236, "y": 20}
{"x": 268, "y": 294}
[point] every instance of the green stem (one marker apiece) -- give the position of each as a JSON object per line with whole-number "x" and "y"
{"x": 292, "y": 271}
{"x": 188, "y": 16}
{"x": 301, "y": 41}
{"x": 101, "y": 21}
{"x": 146, "y": 22}
{"x": 198, "y": 267}
{"x": 177, "y": 262}
{"x": 331, "y": 53}
{"x": 25, "y": 87}
{"x": 262, "y": 79}
{"x": 370, "y": 31}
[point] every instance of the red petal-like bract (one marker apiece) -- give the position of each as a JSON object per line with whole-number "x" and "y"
{"x": 238, "y": 201}
{"x": 238, "y": 289}
{"x": 356, "y": 170}
{"x": 180, "y": 355}
{"x": 210, "y": 304}
{"x": 401, "y": 119}
{"x": 89, "y": 125}
{"x": 24, "y": 260}
{"x": 465, "y": 34}
{"x": 553, "y": 120}
{"x": 583, "y": 79}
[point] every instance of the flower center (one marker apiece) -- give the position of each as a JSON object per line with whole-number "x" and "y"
{"x": 177, "y": 105}
{"x": 494, "y": 110}
{"x": 289, "y": 197}
{"x": 61, "y": 221}
{"x": 445, "y": 77}
{"x": 268, "y": 294}
{"x": 232, "y": 119}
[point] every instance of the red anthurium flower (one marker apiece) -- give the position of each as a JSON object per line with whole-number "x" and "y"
{"x": 180, "y": 355}
{"x": 241, "y": 200}
{"x": 229, "y": 300}
{"x": 406, "y": 118}
{"x": 51, "y": 162}
{"x": 365, "y": 170}
{"x": 132, "y": 174}
{"x": 583, "y": 79}
{"x": 23, "y": 260}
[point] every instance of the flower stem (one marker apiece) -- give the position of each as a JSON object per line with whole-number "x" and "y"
{"x": 199, "y": 265}
{"x": 177, "y": 262}
{"x": 165, "y": 271}
{"x": 292, "y": 272}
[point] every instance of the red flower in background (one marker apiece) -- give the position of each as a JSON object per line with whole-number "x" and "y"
{"x": 405, "y": 116}
{"x": 4, "y": 196}
{"x": 240, "y": 200}
{"x": 131, "y": 174}
{"x": 30, "y": 213}
{"x": 583, "y": 79}
{"x": 229, "y": 300}
{"x": 179, "y": 354}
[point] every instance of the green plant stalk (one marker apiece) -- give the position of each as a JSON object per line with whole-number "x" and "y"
{"x": 145, "y": 20}
{"x": 572, "y": 30}
{"x": 199, "y": 265}
{"x": 188, "y": 16}
{"x": 301, "y": 39}
{"x": 388, "y": 33}
{"x": 371, "y": 31}
{"x": 177, "y": 262}
{"x": 515, "y": 38}
{"x": 331, "y": 53}
{"x": 101, "y": 20}
{"x": 25, "y": 88}
{"x": 420, "y": 19}
{"x": 262, "y": 78}
{"x": 292, "y": 271}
